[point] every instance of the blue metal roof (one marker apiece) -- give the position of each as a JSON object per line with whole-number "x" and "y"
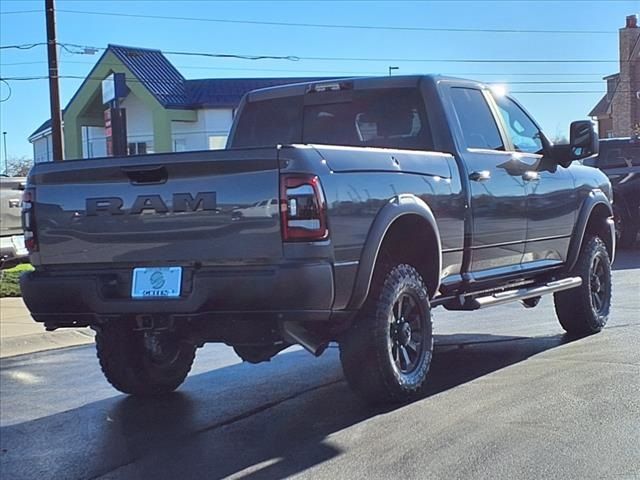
{"x": 172, "y": 90}
{"x": 45, "y": 126}
{"x": 227, "y": 92}
{"x": 155, "y": 72}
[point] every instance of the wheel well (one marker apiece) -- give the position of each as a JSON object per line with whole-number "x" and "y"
{"x": 421, "y": 251}
{"x": 597, "y": 225}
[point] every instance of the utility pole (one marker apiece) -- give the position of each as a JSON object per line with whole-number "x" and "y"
{"x": 54, "y": 89}
{"x": 6, "y": 162}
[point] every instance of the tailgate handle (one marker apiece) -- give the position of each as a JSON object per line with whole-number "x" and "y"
{"x": 146, "y": 175}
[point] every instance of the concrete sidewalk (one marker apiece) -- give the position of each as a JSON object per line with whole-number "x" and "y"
{"x": 19, "y": 334}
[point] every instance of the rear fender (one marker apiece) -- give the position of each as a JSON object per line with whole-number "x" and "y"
{"x": 397, "y": 207}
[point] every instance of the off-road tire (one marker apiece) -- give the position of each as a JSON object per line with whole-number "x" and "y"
{"x": 367, "y": 349}
{"x": 131, "y": 369}
{"x": 585, "y": 310}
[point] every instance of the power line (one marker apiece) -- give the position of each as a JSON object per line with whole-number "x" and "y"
{"x": 291, "y": 58}
{"x": 453, "y": 60}
{"x": 14, "y": 12}
{"x": 200, "y": 67}
{"x": 338, "y": 26}
{"x": 24, "y": 46}
{"x": 336, "y": 59}
{"x": 515, "y": 82}
{"x": 176, "y": 83}
{"x": 8, "y": 94}
{"x": 364, "y": 59}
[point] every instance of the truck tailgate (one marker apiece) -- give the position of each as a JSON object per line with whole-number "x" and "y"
{"x": 208, "y": 207}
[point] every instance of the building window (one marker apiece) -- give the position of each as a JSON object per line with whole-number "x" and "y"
{"x": 138, "y": 148}
{"x": 217, "y": 142}
{"x": 180, "y": 145}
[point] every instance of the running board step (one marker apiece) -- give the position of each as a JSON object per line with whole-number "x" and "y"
{"x": 522, "y": 293}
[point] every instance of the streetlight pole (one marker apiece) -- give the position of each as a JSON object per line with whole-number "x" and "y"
{"x": 54, "y": 88}
{"x": 393, "y": 68}
{"x": 6, "y": 161}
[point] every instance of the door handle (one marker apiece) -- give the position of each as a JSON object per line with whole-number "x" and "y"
{"x": 531, "y": 176}
{"x": 481, "y": 176}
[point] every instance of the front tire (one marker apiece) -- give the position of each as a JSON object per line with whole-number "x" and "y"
{"x": 137, "y": 365}
{"x": 585, "y": 310}
{"x": 386, "y": 353}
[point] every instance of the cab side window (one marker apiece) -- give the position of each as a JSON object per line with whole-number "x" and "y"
{"x": 479, "y": 128}
{"x": 525, "y": 135}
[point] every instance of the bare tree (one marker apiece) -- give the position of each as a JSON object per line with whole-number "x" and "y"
{"x": 19, "y": 166}
{"x": 559, "y": 138}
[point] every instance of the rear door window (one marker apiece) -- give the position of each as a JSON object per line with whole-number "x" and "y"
{"x": 479, "y": 128}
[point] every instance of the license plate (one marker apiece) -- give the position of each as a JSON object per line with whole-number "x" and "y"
{"x": 18, "y": 245}
{"x": 156, "y": 282}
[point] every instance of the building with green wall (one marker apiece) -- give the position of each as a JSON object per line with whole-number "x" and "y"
{"x": 164, "y": 111}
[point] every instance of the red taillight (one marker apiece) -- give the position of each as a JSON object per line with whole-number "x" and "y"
{"x": 303, "y": 211}
{"x": 28, "y": 220}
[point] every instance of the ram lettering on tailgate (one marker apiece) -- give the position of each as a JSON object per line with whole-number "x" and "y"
{"x": 182, "y": 202}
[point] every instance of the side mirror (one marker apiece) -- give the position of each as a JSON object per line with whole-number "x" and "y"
{"x": 583, "y": 141}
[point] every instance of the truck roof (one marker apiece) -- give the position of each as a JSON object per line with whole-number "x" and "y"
{"x": 398, "y": 81}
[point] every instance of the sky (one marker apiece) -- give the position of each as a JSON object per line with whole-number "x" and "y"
{"x": 190, "y": 27}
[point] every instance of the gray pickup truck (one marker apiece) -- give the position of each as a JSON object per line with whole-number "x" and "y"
{"x": 12, "y": 248}
{"x": 340, "y": 211}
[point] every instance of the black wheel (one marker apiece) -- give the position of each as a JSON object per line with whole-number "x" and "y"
{"x": 585, "y": 310}
{"x": 386, "y": 353}
{"x": 140, "y": 363}
{"x": 626, "y": 229}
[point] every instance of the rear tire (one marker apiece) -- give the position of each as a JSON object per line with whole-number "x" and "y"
{"x": 585, "y": 310}
{"x": 386, "y": 353}
{"x": 133, "y": 368}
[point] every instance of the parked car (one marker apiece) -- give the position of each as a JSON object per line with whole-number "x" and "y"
{"x": 264, "y": 208}
{"x": 619, "y": 159}
{"x": 396, "y": 195}
{"x": 12, "y": 248}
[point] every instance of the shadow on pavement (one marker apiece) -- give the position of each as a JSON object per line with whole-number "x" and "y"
{"x": 266, "y": 421}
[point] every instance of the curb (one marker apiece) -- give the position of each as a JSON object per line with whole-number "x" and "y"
{"x": 40, "y": 342}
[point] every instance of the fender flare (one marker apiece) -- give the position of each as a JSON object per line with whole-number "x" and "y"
{"x": 594, "y": 199}
{"x": 401, "y": 205}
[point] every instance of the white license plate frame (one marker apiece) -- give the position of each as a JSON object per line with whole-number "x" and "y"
{"x": 156, "y": 283}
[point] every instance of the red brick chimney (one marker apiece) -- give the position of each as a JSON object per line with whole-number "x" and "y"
{"x": 626, "y": 108}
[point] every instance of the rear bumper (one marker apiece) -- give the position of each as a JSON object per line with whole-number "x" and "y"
{"x": 300, "y": 291}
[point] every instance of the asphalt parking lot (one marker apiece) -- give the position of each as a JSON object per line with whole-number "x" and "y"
{"x": 510, "y": 396}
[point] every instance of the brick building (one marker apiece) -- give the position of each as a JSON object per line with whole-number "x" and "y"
{"x": 618, "y": 112}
